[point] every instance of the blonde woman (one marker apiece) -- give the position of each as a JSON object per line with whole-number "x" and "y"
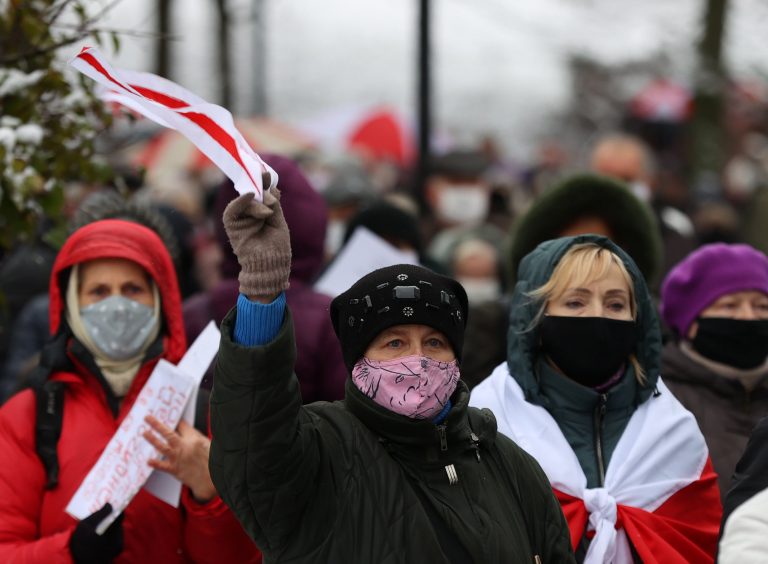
{"x": 581, "y": 392}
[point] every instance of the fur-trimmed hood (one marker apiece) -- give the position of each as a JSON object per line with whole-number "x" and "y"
{"x": 631, "y": 222}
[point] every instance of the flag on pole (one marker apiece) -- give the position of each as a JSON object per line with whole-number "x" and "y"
{"x": 210, "y": 127}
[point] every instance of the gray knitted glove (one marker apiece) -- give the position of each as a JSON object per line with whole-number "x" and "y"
{"x": 259, "y": 236}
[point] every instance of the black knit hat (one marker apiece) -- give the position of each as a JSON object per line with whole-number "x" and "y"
{"x": 388, "y": 222}
{"x": 402, "y": 294}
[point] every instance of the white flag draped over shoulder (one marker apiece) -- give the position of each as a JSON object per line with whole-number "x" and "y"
{"x": 210, "y": 127}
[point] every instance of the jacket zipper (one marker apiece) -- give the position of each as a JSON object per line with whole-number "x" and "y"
{"x": 441, "y": 429}
{"x": 475, "y": 444}
{"x": 599, "y": 417}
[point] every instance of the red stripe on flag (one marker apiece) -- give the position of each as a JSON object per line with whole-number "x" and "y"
{"x": 213, "y": 129}
{"x": 91, "y": 60}
{"x": 218, "y": 134}
{"x": 160, "y": 98}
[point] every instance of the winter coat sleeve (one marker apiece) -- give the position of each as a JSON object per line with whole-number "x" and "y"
{"x": 751, "y": 473}
{"x": 265, "y": 454}
{"x": 212, "y": 533}
{"x": 22, "y": 483}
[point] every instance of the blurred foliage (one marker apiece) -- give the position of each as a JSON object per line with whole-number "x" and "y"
{"x": 49, "y": 115}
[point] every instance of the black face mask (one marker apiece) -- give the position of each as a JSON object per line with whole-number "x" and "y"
{"x": 588, "y": 350}
{"x": 740, "y": 343}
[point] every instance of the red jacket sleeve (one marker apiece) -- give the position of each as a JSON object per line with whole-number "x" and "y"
{"x": 213, "y": 534}
{"x": 22, "y": 485}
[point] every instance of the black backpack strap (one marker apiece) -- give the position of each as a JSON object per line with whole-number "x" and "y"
{"x": 50, "y": 413}
{"x": 201, "y": 410}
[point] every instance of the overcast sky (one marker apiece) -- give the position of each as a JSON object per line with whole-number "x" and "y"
{"x": 500, "y": 66}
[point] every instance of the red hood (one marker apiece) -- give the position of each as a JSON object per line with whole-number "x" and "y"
{"x": 115, "y": 238}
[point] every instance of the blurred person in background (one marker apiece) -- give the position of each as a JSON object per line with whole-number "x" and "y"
{"x": 547, "y": 170}
{"x": 476, "y": 265}
{"x": 401, "y": 470}
{"x": 115, "y": 311}
{"x": 750, "y": 479}
{"x": 589, "y": 203}
{"x": 349, "y": 190}
{"x": 392, "y": 223}
{"x": 627, "y": 158}
{"x": 319, "y": 367}
{"x": 717, "y": 222}
{"x": 716, "y": 303}
{"x": 458, "y": 202}
{"x": 580, "y": 391}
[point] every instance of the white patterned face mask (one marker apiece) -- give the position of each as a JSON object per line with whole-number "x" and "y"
{"x": 118, "y": 326}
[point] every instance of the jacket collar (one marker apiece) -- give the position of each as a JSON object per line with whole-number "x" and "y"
{"x": 563, "y": 394}
{"x": 682, "y": 367}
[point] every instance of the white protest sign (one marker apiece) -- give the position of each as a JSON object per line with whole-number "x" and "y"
{"x": 122, "y": 469}
{"x": 364, "y": 252}
{"x": 210, "y": 127}
{"x": 195, "y": 363}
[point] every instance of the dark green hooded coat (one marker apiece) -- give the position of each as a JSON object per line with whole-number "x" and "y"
{"x": 590, "y": 421}
{"x": 353, "y": 482}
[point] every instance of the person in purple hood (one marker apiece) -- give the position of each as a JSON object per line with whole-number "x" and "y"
{"x": 319, "y": 366}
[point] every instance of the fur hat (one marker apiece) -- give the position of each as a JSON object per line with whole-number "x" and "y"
{"x": 402, "y": 294}
{"x": 632, "y": 224}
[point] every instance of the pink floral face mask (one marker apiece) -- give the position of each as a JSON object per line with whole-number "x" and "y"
{"x": 415, "y": 386}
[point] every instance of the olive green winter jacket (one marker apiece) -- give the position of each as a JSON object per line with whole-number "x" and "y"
{"x": 353, "y": 482}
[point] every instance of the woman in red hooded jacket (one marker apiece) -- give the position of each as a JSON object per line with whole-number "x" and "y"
{"x": 115, "y": 310}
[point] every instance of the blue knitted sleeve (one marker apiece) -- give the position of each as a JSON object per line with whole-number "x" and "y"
{"x": 257, "y": 323}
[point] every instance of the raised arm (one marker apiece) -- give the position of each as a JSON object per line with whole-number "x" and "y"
{"x": 265, "y": 450}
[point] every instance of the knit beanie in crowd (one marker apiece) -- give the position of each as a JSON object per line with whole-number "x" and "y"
{"x": 706, "y": 274}
{"x": 388, "y": 222}
{"x": 402, "y": 294}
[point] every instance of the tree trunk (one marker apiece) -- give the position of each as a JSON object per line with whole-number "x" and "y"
{"x": 225, "y": 71}
{"x": 708, "y": 132}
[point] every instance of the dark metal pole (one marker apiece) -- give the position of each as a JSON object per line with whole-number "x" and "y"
{"x": 424, "y": 97}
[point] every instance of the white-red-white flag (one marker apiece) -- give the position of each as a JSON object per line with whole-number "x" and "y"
{"x": 660, "y": 493}
{"x": 210, "y": 127}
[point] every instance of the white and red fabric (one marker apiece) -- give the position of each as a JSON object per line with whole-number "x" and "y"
{"x": 210, "y": 127}
{"x": 660, "y": 490}
{"x": 377, "y": 133}
{"x": 663, "y": 101}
